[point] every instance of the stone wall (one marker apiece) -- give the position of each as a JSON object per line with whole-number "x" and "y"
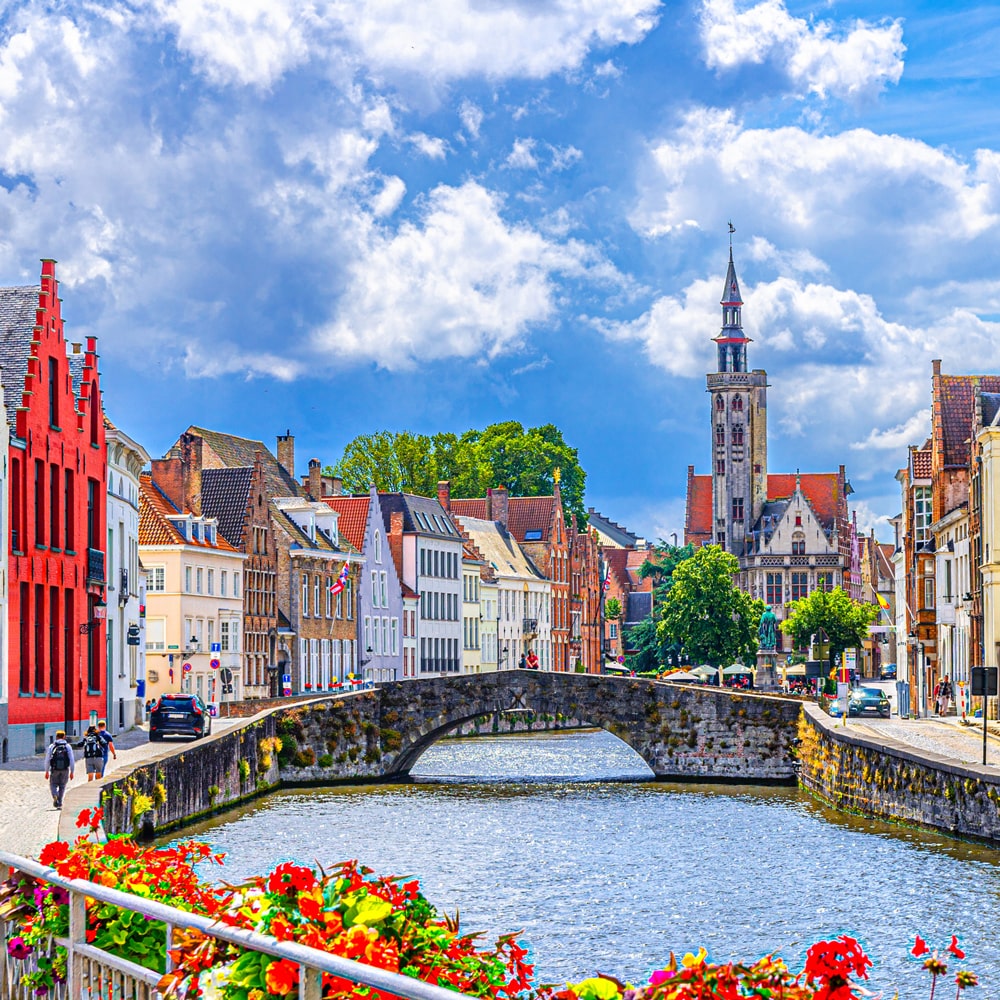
{"x": 887, "y": 780}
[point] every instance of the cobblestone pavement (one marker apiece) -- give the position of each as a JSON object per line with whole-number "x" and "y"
{"x": 28, "y": 820}
{"x": 945, "y": 737}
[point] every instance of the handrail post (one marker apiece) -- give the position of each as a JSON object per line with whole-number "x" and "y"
{"x": 77, "y": 935}
{"x": 310, "y": 981}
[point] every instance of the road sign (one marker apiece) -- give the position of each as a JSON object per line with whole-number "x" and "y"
{"x": 216, "y": 647}
{"x": 214, "y": 664}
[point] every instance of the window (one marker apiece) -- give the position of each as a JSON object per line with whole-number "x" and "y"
{"x": 738, "y": 436}
{"x": 223, "y": 583}
{"x": 374, "y": 589}
{"x": 824, "y": 582}
{"x": 54, "y": 518}
{"x": 187, "y": 579}
{"x": 317, "y": 603}
{"x": 720, "y": 539}
{"x": 156, "y": 579}
{"x": 224, "y": 636}
{"x": 798, "y": 545}
{"x": 922, "y": 514}
{"x": 394, "y": 635}
{"x": 378, "y": 546}
{"x": 39, "y": 502}
{"x": 800, "y": 586}
{"x": 737, "y": 508}
{"x": 198, "y": 580}
{"x": 613, "y": 631}
{"x": 305, "y": 595}
{"x": 720, "y": 434}
{"x": 928, "y": 592}
{"x": 720, "y": 467}
{"x": 533, "y": 536}
{"x": 720, "y": 403}
{"x": 348, "y": 593}
{"x": 775, "y": 594}
{"x": 69, "y": 509}
{"x": 738, "y": 404}
{"x": 53, "y": 392}
{"x": 236, "y": 585}
{"x": 329, "y": 597}
{"x": 947, "y": 580}
{"x": 211, "y": 581}
{"x": 383, "y": 589}
{"x": 156, "y": 631}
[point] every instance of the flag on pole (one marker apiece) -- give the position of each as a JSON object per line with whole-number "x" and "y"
{"x": 883, "y": 604}
{"x": 341, "y": 581}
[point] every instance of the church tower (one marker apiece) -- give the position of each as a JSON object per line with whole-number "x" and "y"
{"x": 739, "y": 429}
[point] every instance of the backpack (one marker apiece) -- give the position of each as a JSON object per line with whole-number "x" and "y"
{"x": 92, "y": 746}
{"x": 59, "y": 758}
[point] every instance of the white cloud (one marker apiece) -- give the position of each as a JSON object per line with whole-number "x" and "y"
{"x": 433, "y": 147}
{"x": 471, "y": 116}
{"x": 522, "y": 156}
{"x": 897, "y": 438}
{"x": 815, "y": 56}
{"x": 927, "y": 210}
{"x": 460, "y": 283}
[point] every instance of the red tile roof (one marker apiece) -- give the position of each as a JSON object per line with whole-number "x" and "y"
{"x": 524, "y": 514}
{"x": 155, "y": 528}
{"x": 957, "y": 395}
{"x": 617, "y": 560}
{"x": 353, "y": 519}
{"x": 821, "y": 489}
{"x": 922, "y": 464}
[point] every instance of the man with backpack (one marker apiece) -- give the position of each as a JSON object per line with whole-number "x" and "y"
{"x": 58, "y": 767}
{"x": 107, "y": 744}
{"x": 93, "y": 753}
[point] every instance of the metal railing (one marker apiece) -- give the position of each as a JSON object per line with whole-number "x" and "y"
{"x": 99, "y": 975}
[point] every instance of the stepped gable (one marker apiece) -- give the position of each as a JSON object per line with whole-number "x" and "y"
{"x": 353, "y": 520}
{"x": 17, "y": 324}
{"x": 957, "y": 394}
{"x": 224, "y": 496}
{"x": 155, "y": 527}
{"x": 612, "y": 529}
{"x": 238, "y": 452}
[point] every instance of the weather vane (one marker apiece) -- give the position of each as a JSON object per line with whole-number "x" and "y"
{"x": 732, "y": 229}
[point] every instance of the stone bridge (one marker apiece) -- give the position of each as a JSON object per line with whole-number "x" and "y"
{"x": 683, "y": 732}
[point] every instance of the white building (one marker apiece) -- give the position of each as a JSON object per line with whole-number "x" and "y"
{"x": 126, "y": 666}
{"x": 953, "y": 599}
{"x": 472, "y": 565}
{"x": 489, "y": 652}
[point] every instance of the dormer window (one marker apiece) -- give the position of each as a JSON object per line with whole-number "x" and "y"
{"x": 196, "y": 531}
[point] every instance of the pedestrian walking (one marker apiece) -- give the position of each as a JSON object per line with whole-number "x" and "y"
{"x": 93, "y": 753}
{"x": 59, "y": 767}
{"x": 107, "y": 744}
{"x": 937, "y": 698}
{"x": 945, "y": 695}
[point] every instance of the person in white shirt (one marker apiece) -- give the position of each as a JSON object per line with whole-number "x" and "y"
{"x": 59, "y": 766}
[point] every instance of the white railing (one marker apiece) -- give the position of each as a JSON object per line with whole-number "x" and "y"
{"x": 96, "y": 974}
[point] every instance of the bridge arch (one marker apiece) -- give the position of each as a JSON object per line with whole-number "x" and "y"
{"x": 680, "y": 732}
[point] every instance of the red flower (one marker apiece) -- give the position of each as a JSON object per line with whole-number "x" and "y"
{"x": 281, "y": 977}
{"x": 51, "y": 853}
{"x": 954, "y": 948}
{"x": 919, "y": 948}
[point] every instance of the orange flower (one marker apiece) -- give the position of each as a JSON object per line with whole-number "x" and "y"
{"x": 281, "y": 977}
{"x": 311, "y": 903}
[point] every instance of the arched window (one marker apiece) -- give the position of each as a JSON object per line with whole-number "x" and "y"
{"x": 720, "y": 403}
{"x": 738, "y": 404}
{"x": 798, "y": 544}
{"x": 378, "y": 546}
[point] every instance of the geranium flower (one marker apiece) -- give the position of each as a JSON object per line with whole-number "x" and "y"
{"x": 954, "y": 948}
{"x": 51, "y": 853}
{"x": 281, "y": 977}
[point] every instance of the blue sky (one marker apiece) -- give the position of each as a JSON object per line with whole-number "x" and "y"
{"x": 336, "y": 217}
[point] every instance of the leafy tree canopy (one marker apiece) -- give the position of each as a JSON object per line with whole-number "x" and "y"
{"x": 650, "y": 651}
{"x": 712, "y": 620}
{"x": 660, "y": 564}
{"x": 845, "y": 621}
{"x": 612, "y": 609}
{"x": 503, "y": 454}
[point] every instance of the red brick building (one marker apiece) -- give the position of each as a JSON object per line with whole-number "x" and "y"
{"x": 58, "y": 510}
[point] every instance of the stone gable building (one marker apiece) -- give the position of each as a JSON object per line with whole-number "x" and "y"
{"x": 791, "y": 533}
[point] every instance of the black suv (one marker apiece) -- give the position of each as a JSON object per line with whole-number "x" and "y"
{"x": 179, "y": 715}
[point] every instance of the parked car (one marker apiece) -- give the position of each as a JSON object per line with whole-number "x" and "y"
{"x": 179, "y": 715}
{"x": 867, "y": 699}
{"x": 888, "y": 671}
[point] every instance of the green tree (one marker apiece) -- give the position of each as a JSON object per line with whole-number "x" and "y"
{"x": 706, "y": 614}
{"x": 650, "y": 650}
{"x": 503, "y": 454}
{"x": 612, "y": 609}
{"x": 845, "y": 621}
{"x": 660, "y": 565}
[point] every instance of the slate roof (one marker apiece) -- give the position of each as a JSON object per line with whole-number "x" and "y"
{"x": 155, "y": 527}
{"x": 524, "y": 514}
{"x": 418, "y": 515}
{"x": 353, "y": 520}
{"x": 612, "y": 529}
{"x": 638, "y": 606}
{"x": 225, "y": 494}
{"x": 821, "y": 489}
{"x": 321, "y": 542}
{"x": 956, "y": 395}
{"x": 237, "y": 452}
{"x": 498, "y": 547}
{"x": 17, "y": 323}
{"x": 731, "y": 289}
{"x": 991, "y": 407}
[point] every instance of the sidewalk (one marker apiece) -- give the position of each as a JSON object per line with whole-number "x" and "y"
{"x": 945, "y": 736}
{"x": 27, "y": 819}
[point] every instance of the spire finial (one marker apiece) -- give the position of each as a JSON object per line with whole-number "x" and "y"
{"x": 732, "y": 229}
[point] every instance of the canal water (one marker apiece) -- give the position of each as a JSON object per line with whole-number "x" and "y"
{"x": 563, "y": 837}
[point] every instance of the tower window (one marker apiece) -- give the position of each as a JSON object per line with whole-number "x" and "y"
{"x": 737, "y": 508}
{"x": 720, "y": 467}
{"x": 720, "y": 434}
{"x": 720, "y": 403}
{"x": 738, "y": 435}
{"x": 720, "y": 539}
{"x": 738, "y": 404}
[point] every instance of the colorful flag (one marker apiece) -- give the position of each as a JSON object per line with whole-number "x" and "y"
{"x": 882, "y": 602}
{"x": 341, "y": 581}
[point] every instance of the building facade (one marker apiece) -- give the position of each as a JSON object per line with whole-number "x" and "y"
{"x": 126, "y": 460}
{"x": 57, "y": 506}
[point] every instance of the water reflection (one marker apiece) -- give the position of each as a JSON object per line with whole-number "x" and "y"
{"x": 613, "y": 876}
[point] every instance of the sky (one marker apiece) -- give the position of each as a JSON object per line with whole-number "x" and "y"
{"x": 334, "y": 217}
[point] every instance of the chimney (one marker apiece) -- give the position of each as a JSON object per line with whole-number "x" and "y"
{"x": 499, "y": 512}
{"x": 337, "y": 486}
{"x": 396, "y": 540}
{"x": 936, "y": 366}
{"x": 286, "y": 452}
{"x": 489, "y": 503}
{"x": 444, "y": 494}
{"x": 315, "y": 479}
{"x": 168, "y": 475}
